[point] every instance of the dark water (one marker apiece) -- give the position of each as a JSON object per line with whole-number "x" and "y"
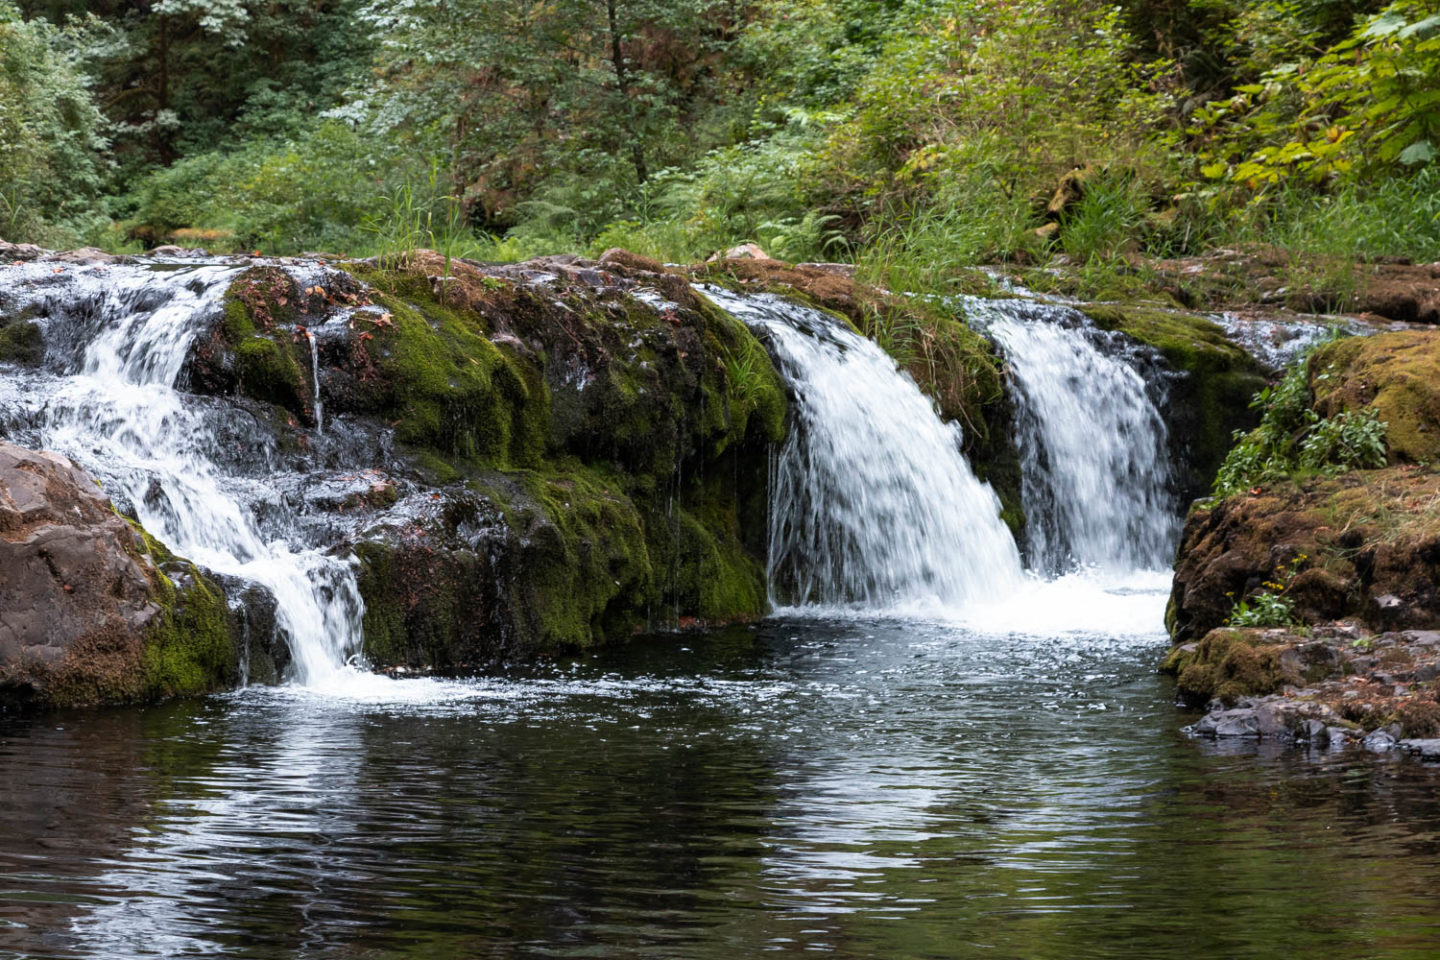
{"x": 860, "y": 789}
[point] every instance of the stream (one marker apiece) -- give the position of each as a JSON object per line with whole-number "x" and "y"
{"x": 896, "y": 788}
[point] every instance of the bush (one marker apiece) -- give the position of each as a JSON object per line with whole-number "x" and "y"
{"x": 1293, "y": 437}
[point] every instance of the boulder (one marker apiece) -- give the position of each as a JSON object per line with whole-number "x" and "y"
{"x": 86, "y": 615}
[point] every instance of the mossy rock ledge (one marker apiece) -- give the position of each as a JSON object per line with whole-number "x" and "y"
{"x": 93, "y": 610}
{"x": 529, "y": 458}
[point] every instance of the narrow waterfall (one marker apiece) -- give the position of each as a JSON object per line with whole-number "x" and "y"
{"x": 119, "y": 336}
{"x": 872, "y": 503}
{"x": 1096, "y": 476}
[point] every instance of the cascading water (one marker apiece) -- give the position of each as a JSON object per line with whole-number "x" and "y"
{"x": 1096, "y": 477}
{"x": 872, "y": 503}
{"x": 315, "y": 380}
{"x": 123, "y": 334}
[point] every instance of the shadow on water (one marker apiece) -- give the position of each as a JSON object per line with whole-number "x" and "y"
{"x": 888, "y": 789}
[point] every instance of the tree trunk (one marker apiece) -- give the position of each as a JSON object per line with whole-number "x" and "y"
{"x": 622, "y": 80}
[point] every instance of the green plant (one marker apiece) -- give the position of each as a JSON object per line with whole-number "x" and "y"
{"x": 1293, "y": 437}
{"x": 1269, "y": 607}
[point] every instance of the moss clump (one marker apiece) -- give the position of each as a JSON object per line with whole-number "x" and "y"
{"x": 1212, "y": 400}
{"x": 269, "y": 365}
{"x": 1226, "y": 665}
{"x": 188, "y": 646}
{"x": 21, "y": 341}
{"x": 585, "y": 572}
{"x": 430, "y": 369}
{"x": 1397, "y": 374}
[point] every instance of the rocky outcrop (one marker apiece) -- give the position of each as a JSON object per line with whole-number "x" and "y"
{"x": 1369, "y": 539}
{"x": 1331, "y": 686}
{"x": 567, "y": 450}
{"x": 88, "y": 612}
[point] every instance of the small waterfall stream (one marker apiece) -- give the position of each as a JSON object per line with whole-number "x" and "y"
{"x": 872, "y": 503}
{"x": 119, "y": 412}
{"x": 1093, "y": 447}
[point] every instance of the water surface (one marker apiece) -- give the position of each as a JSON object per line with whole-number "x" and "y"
{"x": 862, "y": 788}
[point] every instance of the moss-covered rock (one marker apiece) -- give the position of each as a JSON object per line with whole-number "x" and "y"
{"x": 584, "y": 441}
{"x": 1398, "y": 374}
{"x": 1368, "y": 543}
{"x": 1211, "y": 398}
{"x": 1228, "y": 664}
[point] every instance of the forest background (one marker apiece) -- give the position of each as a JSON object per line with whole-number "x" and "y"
{"x": 912, "y": 137}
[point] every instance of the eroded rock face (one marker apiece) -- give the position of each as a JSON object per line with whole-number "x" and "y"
{"x": 72, "y": 587}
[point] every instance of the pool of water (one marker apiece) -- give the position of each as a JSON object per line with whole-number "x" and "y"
{"x": 863, "y": 788}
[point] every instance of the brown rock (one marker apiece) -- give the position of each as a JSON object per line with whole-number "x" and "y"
{"x": 1370, "y": 538}
{"x": 71, "y": 581}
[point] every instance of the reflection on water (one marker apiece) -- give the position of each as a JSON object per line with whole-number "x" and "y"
{"x": 870, "y": 789}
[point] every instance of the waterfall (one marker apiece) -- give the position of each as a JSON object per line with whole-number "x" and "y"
{"x": 315, "y": 381}
{"x": 1094, "y": 454}
{"x": 120, "y": 336}
{"x": 872, "y": 504}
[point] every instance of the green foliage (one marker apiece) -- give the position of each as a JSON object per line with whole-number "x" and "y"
{"x": 1372, "y": 100}
{"x": 51, "y": 142}
{"x": 1293, "y": 437}
{"x": 1269, "y": 606}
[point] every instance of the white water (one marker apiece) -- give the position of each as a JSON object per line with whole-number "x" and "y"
{"x": 120, "y": 414}
{"x": 1093, "y": 447}
{"x": 315, "y": 381}
{"x": 872, "y": 504}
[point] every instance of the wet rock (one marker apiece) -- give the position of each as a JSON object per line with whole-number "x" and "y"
{"x": 85, "y": 255}
{"x": 1378, "y": 741}
{"x": 1425, "y": 749}
{"x": 11, "y": 252}
{"x": 73, "y": 595}
{"x": 86, "y": 614}
{"x": 1241, "y": 722}
{"x": 68, "y": 572}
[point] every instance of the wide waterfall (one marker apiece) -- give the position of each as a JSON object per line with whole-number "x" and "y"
{"x": 119, "y": 337}
{"x": 872, "y": 503}
{"x": 1096, "y": 474}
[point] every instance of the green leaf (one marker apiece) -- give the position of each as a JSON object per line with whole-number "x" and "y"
{"x": 1418, "y": 152}
{"x": 1384, "y": 25}
{"x": 1423, "y": 28}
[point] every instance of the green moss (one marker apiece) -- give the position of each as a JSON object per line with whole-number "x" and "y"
{"x": 587, "y": 572}
{"x": 444, "y": 384}
{"x": 1396, "y": 373}
{"x": 269, "y": 365}
{"x": 21, "y": 341}
{"x": 1213, "y": 399}
{"x": 1226, "y": 665}
{"x": 188, "y": 647}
